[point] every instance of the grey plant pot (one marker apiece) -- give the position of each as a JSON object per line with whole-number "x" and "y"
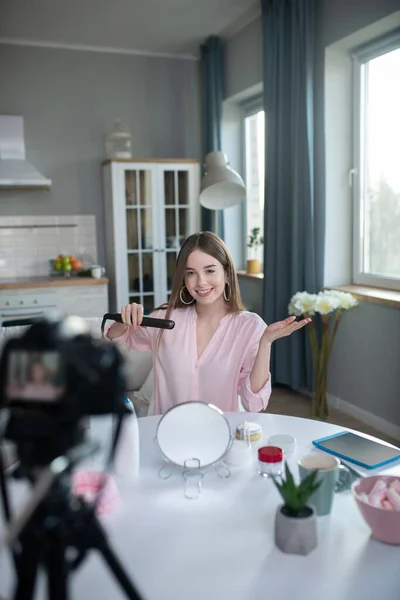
{"x": 296, "y": 535}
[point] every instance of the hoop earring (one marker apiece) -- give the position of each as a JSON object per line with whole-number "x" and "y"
{"x": 229, "y": 288}
{"x": 182, "y": 300}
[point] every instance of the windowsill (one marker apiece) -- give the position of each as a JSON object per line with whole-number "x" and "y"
{"x": 250, "y": 275}
{"x": 361, "y": 292}
{"x": 370, "y": 294}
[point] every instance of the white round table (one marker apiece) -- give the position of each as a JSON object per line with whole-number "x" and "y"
{"x": 221, "y": 546}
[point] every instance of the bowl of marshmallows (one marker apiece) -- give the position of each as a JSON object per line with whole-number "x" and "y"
{"x": 378, "y": 499}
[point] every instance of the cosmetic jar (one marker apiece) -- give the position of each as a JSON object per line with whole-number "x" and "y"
{"x": 270, "y": 461}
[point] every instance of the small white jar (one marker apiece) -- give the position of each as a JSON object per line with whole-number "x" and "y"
{"x": 249, "y": 431}
{"x": 284, "y": 441}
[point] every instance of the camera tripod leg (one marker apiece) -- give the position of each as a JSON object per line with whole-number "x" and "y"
{"x": 3, "y": 488}
{"x": 97, "y": 540}
{"x": 119, "y": 572}
{"x": 56, "y": 567}
{"x": 27, "y": 565}
{"x": 41, "y": 549}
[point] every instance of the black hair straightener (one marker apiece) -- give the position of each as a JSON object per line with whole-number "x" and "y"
{"x": 146, "y": 322}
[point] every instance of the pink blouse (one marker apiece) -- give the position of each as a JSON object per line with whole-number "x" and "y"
{"x": 220, "y": 373}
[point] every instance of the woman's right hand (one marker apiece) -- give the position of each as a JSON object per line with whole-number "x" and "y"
{"x": 132, "y": 315}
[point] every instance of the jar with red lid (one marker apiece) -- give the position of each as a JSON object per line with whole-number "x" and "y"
{"x": 270, "y": 461}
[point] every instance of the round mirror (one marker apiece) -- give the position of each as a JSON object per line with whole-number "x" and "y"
{"x": 193, "y": 430}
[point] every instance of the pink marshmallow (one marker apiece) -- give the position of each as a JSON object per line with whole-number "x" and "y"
{"x": 396, "y": 485}
{"x": 376, "y": 498}
{"x": 379, "y": 485}
{"x": 393, "y": 497}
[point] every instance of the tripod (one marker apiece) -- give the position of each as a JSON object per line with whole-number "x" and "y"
{"x": 54, "y": 528}
{"x": 87, "y": 379}
{"x": 59, "y": 524}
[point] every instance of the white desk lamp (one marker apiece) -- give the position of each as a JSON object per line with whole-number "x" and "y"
{"x": 221, "y": 187}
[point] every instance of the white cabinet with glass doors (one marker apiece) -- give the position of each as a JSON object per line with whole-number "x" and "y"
{"x": 150, "y": 207}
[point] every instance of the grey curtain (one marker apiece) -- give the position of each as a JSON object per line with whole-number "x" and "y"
{"x": 211, "y": 66}
{"x": 294, "y": 201}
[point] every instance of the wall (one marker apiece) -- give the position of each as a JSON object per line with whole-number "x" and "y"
{"x": 251, "y": 292}
{"x": 233, "y": 217}
{"x": 338, "y": 19}
{"x": 364, "y": 377}
{"x": 342, "y": 17}
{"x": 28, "y": 243}
{"x": 243, "y": 60}
{"x": 69, "y": 98}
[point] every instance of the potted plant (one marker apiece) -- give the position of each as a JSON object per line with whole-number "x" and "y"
{"x": 295, "y": 521}
{"x": 255, "y": 240}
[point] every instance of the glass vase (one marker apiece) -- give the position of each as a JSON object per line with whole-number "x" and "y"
{"x": 320, "y": 399}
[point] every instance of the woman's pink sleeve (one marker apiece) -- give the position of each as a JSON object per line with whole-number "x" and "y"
{"x": 253, "y": 401}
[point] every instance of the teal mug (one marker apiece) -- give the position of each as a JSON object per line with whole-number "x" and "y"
{"x": 333, "y": 476}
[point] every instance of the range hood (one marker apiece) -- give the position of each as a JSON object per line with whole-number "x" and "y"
{"x": 15, "y": 171}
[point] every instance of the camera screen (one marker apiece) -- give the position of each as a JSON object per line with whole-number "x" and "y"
{"x": 36, "y": 376}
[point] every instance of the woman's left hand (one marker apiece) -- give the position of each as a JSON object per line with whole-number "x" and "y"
{"x": 281, "y": 329}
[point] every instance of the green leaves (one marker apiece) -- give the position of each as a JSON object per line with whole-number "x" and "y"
{"x": 254, "y": 238}
{"x": 295, "y": 497}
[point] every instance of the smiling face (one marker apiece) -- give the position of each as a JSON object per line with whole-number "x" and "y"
{"x": 205, "y": 278}
{"x": 203, "y": 265}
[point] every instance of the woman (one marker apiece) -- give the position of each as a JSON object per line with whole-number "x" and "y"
{"x": 39, "y": 382}
{"x": 217, "y": 350}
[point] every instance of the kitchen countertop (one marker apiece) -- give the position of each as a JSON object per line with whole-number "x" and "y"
{"x": 15, "y": 283}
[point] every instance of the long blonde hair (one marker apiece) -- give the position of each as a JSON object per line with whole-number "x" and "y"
{"x": 211, "y": 244}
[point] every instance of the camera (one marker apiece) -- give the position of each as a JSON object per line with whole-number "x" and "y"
{"x": 52, "y": 377}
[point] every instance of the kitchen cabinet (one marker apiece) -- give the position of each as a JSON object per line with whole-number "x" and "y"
{"x": 84, "y": 301}
{"x": 150, "y": 208}
{"x": 19, "y": 301}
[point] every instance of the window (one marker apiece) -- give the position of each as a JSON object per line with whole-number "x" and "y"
{"x": 254, "y": 134}
{"x": 377, "y": 164}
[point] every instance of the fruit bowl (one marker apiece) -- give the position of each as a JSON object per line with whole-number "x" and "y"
{"x": 61, "y": 273}
{"x": 66, "y": 273}
{"x": 65, "y": 266}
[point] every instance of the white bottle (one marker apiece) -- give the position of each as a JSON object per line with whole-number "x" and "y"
{"x": 100, "y": 432}
{"x": 126, "y": 459}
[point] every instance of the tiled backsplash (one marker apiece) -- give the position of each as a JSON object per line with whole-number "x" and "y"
{"x": 27, "y": 243}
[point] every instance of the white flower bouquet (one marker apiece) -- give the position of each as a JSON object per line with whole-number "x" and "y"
{"x": 330, "y": 305}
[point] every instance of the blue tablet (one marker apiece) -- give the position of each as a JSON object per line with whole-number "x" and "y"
{"x": 359, "y": 450}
